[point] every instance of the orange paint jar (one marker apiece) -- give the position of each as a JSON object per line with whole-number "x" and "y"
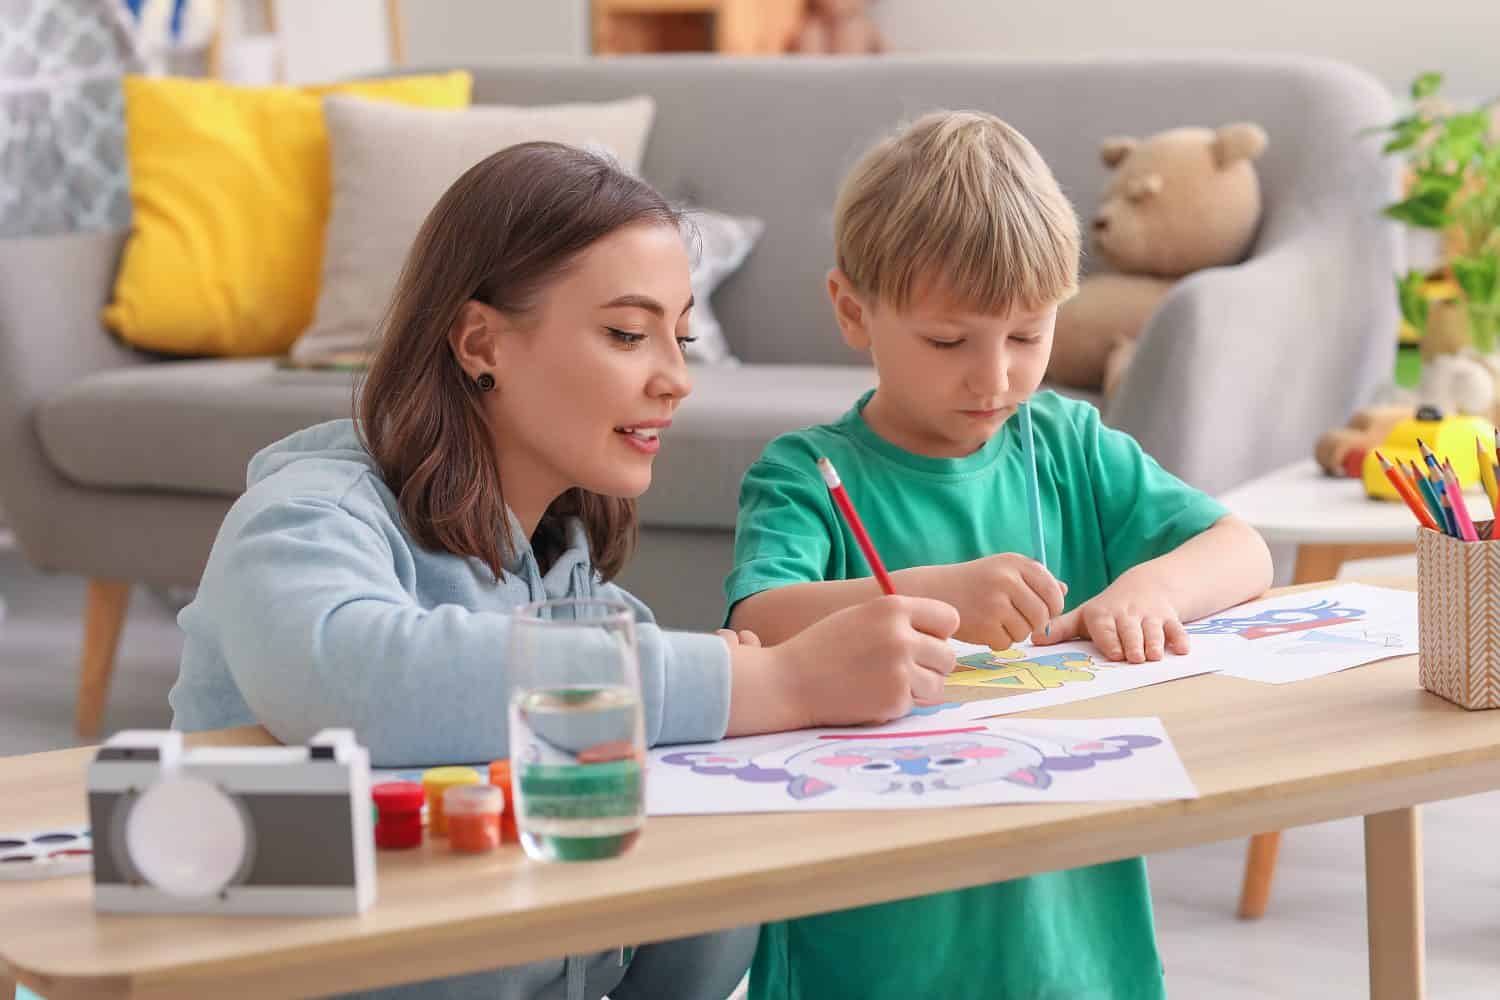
{"x": 437, "y": 781}
{"x": 500, "y": 778}
{"x": 473, "y": 813}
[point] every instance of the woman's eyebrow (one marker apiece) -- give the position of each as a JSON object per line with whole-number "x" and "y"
{"x": 643, "y": 302}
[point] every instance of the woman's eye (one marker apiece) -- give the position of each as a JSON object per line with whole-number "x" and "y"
{"x": 944, "y": 345}
{"x": 625, "y": 336}
{"x": 1027, "y": 340}
{"x": 684, "y": 341}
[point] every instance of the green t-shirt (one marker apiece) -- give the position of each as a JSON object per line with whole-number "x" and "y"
{"x": 1085, "y": 934}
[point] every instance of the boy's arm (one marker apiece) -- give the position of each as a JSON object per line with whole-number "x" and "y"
{"x": 1141, "y": 613}
{"x": 777, "y": 614}
{"x": 1001, "y": 599}
{"x": 1226, "y": 565}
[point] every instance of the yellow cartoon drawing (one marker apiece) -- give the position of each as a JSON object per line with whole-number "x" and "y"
{"x": 1013, "y": 672}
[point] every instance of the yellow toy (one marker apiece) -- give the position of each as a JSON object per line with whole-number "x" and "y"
{"x": 1450, "y": 438}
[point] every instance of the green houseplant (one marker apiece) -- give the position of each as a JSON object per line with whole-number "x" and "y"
{"x": 1453, "y": 161}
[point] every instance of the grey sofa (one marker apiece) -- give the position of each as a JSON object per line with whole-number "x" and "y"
{"x": 119, "y": 466}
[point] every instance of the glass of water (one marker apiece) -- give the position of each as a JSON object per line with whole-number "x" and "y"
{"x": 577, "y": 729}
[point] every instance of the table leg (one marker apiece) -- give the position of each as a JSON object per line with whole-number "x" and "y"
{"x": 1393, "y": 904}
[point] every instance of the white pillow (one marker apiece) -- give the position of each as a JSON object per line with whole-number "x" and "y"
{"x": 390, "y": 163}
{"x": 724, "y": 241}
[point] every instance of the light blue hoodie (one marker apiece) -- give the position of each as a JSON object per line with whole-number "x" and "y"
{"x": 318, "y": 609}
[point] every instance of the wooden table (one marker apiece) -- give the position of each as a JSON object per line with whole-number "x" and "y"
{"x": 1366, "y": 742}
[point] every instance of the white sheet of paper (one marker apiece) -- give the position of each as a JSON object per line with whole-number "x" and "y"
{"x": 1001, "y": 761}
{"x": 1028, "y": 677}
{"x": 1308, "y": 634}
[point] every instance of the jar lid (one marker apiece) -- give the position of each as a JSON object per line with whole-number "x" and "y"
{"x": 473, "y": 800}
{"x": 444, "y": 777}
{"x": 500, "y": 772}
{"x": 397, "y": 796}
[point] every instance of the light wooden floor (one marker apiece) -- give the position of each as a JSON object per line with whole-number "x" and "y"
{"x": 1310, "y": 946}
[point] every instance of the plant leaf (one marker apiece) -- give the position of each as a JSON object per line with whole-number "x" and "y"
{"x": 1426, "y": 85}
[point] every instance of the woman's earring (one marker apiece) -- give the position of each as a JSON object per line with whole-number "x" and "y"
{"x": 485, "y": 381}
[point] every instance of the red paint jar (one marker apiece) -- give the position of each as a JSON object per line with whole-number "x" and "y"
{"x": 474, "y": 817}
{"x": 398, "y": 806}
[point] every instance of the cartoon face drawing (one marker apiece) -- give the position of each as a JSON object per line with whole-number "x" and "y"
{"x": 915, "y": 763}
{"x": 1279, "y": 621}
{"x": 914, "y": 766}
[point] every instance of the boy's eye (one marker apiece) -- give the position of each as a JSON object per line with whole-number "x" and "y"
{"x": 1027, "y": 340}
{"x": 944, "y": 344}
{"x": 625, "y": 336}
{"x": 684, "y": 341}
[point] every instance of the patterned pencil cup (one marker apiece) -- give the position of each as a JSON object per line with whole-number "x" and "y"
{"x": 1458, "y": 609}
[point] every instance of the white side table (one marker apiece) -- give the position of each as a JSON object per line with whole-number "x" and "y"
{"x": 1329, "y": 520}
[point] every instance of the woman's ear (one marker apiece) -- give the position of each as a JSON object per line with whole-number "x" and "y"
{"x": 848, "y": 310}
{"x": 475, "y": 338}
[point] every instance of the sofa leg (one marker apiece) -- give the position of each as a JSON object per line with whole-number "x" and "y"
{"x": 1260, "y": 866}
{"x": 103, "y": 618}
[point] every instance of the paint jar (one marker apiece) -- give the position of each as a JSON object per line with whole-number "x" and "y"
{"x": 437, "y": 781}
{"x": 473, "y": 815}
{"x": 398, "y": 820}
{"x": 500, "y": 778}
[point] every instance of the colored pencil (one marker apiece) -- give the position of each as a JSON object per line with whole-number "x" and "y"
{"x": 1033, "y": 491}
{"x": 1487, "y": 476}
{"x": 1460, "y": 508}
{"x": 1407, "y": 494}
{"x": 1424, "y": 487}
{"x": 861, "y": 536}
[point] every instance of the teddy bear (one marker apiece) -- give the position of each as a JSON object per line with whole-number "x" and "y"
{"x": 838, "y": 27}
{"x": 1177, "y": 201}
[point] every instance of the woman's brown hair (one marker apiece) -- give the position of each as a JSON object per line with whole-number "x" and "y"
{"x": 510, "y": 225}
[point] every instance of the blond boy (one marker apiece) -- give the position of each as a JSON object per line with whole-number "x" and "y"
{"x": 954, "y": 249}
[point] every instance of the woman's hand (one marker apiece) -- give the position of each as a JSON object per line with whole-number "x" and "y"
{"x": 867, "y": 663}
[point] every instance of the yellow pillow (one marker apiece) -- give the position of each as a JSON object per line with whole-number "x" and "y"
{"x": 229, "y": 188}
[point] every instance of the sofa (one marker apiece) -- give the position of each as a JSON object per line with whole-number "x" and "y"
{"x": 119, "y": 466}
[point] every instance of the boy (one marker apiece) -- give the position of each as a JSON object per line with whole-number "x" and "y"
{"x": 954, "y": 249}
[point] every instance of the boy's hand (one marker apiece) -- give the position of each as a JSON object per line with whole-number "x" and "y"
{"x": 1000, "y": 599}
{"x": 1129, "y": 621}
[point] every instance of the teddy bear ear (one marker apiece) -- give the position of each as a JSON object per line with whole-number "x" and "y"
{"x": 1115, "y": 149}
{"x": 1240, "y": 141}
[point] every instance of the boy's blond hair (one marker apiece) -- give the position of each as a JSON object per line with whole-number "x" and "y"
{"x": 961, "y": 204}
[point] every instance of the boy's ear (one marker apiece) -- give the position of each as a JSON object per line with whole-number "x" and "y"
{"x": 474, "y": 339}
{"x": 848, "y": 310}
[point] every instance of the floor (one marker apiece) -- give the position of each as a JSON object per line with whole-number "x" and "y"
{"x": 1310, "y": 946}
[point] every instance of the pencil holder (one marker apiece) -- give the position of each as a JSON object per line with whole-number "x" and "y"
{"x": 1458, "y": 611}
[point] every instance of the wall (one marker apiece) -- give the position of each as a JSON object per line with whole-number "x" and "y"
{"x": 1393, "y": 41}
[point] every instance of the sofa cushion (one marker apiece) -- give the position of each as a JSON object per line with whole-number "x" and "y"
{"x": 230, "y": 192}
{"x": 204, "y": 420}
{"x": 186, "y": 426}
{"x": 388, "y": 171}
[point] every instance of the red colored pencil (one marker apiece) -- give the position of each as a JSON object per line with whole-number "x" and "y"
{"x": 1404, "y": 490}
{"x": 841, "y": 498}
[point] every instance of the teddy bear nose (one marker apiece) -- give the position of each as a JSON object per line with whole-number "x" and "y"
{"x": 1101, "y": 224}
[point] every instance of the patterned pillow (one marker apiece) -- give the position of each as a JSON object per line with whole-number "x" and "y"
{"x": 62, "y": 114}
{"x": 723, "y": 243}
